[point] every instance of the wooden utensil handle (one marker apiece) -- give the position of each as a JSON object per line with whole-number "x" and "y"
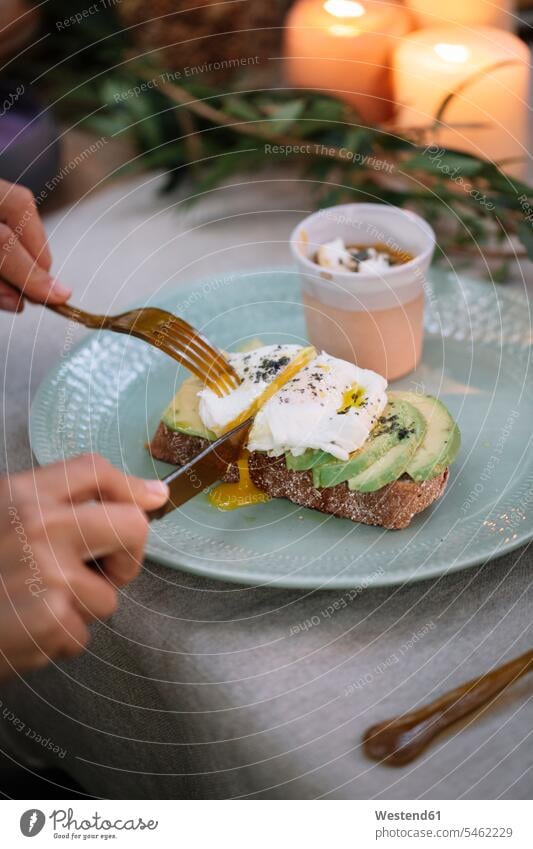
{"x": 400, "y": 740}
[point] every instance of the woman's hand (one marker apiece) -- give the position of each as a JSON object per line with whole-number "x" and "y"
{"x": 25, "y": 259}
{"x": 53, "y": 522}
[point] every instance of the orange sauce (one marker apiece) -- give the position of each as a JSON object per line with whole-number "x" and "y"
{"x": 232, "y": 496}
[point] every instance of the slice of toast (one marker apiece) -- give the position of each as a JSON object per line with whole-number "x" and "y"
{"x": 393, "y": 506}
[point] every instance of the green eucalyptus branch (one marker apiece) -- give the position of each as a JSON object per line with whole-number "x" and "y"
{"x": 189, "y": 127}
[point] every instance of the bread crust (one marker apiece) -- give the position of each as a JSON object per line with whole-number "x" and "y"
{"x": 392, "y": 507}
{"x": 177, "y": 448}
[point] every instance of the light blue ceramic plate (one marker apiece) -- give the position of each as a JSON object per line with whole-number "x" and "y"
{"x": 108, "y": 396}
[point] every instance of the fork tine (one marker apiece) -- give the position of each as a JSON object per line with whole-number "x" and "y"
{"x": 181, "y": 353}
{"x": 212, "y": 379}
{"x": 215, "y": 362}
{"x": 212, "y": 364}
{"x": 190, "y": 360}
{"x": 210, "y": 369}
{"x": 194, "y": 366}
{"x": 201, "y": 342}
{"x": 177, "y": 338}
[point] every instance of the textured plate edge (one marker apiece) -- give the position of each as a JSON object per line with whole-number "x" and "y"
{"x": 380, "y": 581}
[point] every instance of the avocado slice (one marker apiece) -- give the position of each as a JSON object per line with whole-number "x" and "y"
{"x": 394, "y": 423}
{"x": 441, "y": 442}
{"x": 391, "y": 465}
{"x": 310, "y": 459}
{"x": 182, "y": 412}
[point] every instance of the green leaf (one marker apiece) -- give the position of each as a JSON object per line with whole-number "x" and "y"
{"x": 359, "y": 140}
{"x": 110, "y": 88}
{"x": 504, "y": 183}
{"x": 319, "y": 168}
{"x": 525, "y": 234}
{"x": 108, "y": 123}
{"x": 283, "y": 116}
{"x": 333, "y": 196}
{"x": 501, "y": 274}
{"x": 241, "y": 108}
{"x": 85, "y": 92}
{"x": 446, "y": 163}
{"x": 324, "y": 109}
{"x": 211, "y": 174}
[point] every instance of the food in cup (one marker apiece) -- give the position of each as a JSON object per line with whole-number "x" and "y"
{"x": 359, "y": 258}
{"x": 373, "y": 317}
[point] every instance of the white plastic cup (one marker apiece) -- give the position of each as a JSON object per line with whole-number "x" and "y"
{"x": 373, "y": 319}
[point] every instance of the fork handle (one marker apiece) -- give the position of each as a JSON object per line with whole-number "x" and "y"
{"x": 88, "y": 319}
{"x": 400, "y": 740}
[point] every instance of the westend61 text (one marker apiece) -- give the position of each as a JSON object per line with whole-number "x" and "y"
{"x": 407, "y": 815}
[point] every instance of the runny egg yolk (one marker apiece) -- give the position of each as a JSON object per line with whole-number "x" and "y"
{"x": 231, "y": 496}
{"x": 353, "y": 397}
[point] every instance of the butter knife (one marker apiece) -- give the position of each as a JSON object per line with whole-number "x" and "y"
{"x": 207, "y": 467}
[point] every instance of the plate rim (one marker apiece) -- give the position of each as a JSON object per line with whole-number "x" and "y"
{"x": 382, "y": 580}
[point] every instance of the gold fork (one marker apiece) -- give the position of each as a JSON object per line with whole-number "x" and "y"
{"x": 176, "y": 337}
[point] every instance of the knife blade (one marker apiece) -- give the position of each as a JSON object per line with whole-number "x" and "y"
{"x": 207, "y": 467}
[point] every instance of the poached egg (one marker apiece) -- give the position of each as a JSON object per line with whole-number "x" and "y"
{"x": 257, "y": 369}
{"x": 329, "y": 404}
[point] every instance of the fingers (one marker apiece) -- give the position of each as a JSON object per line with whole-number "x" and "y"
{"x": 115, "y": 535}
{"x": 51, "y": 528}
{"x": 103, "y": 529}
{"x": 34, "y": 630}
{"x": 10, "y": 300}
{"x": 60, "y": 631}
{"x": 93, "y": 594}
{"x": 92, "y": 477}
{"x": 121, "y": 567}
{"x": 25, "y": 259}
{"x": 62, "y": 570}
{"x": 19, "y": 267}
{"x": 19, "y": 211}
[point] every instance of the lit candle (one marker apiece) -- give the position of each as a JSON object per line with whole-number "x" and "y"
{"x": 431, "y": 64}
{"x": 491, "y": 13}
{"x": 344, "y": 48}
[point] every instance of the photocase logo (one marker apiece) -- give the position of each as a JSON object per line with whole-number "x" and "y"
{"x": 32, "y": 822}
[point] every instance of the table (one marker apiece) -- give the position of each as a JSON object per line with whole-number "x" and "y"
{"x": 199, "y": 689}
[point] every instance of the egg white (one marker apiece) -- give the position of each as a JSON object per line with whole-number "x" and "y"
{"x": 306, "y": 412}
{"x": 257, "y": 369}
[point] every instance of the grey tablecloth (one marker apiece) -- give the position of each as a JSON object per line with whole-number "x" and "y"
{"x": 202, "y": 689}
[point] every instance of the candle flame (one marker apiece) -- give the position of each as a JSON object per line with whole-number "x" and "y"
{"x": 457, "y": 53}
{"x": 344, "y": 8}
